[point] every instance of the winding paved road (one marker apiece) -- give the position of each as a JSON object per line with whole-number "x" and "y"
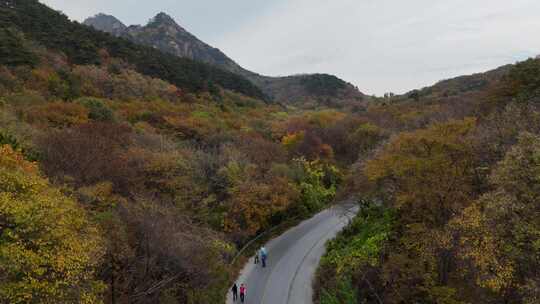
{"x": 293, "y": 258}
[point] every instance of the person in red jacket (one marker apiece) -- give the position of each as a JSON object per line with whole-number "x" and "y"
{"x": 243, "y": 291}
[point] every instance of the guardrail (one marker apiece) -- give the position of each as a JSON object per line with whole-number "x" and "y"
{"x": 248, "y": 244}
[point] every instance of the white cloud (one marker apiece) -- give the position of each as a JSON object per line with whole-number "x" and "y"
{"x": 387, "y": 45}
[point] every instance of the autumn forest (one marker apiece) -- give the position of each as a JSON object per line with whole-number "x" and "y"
{"x": 128, "y": 175}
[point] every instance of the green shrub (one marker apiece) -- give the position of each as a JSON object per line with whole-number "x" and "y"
{"x": 29, "y": 153}
{"x": 317, "y": 183}
{"x": 357, "y": 248}
{"x": 344, "y": 294}
{"x": 8, "y": 139}
{"x": 98, "y": 110}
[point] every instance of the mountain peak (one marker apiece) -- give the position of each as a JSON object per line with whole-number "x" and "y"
{"x": 106, "y": 23}
{"x": 163, "y": 18}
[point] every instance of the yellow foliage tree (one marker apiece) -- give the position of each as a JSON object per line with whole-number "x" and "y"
{"x": 252, "y": 203}
{"x": 501, "y": 231}
{"x": 292, "y": 140}
{"x": 429, "y": 168}
{"x": 48, "y": 247}
{"x": 429, "y": 175}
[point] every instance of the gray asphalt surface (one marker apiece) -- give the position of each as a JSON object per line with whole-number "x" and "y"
{"x": 293, "y": 258}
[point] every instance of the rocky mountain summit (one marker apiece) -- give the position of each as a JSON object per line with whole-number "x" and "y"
{"x": 106, "y": 23}
{"x": 164, "y": 33}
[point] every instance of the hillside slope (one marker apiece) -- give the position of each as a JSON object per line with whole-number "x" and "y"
{"x": 447, "y": 201}
{"x": 462, "y": 84}
{"x": 83, "y": 45}
{"x": 163, "y": 33}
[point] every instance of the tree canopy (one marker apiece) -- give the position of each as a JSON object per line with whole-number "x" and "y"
{"x": 49, "y": 250}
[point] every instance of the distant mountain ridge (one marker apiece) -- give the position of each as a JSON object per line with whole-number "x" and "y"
{"x": 163, "y": 33}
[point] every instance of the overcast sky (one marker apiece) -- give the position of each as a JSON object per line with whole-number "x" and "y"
{"x": 379, "y": 45}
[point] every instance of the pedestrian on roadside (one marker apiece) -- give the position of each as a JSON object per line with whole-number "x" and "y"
{"x": 264, "y": 255}
{"x": 257, "y": 257}
{"x": 243, "y": 292}
{"x": 234, "y": 290}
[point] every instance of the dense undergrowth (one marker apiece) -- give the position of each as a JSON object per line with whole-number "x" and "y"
{"x": 355, "y": 251}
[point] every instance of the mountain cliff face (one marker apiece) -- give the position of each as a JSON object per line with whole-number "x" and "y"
{"x": 163, "y": 33}
{"x": 106, "y": 23}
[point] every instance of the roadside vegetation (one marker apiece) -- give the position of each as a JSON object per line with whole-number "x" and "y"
{"x": 464, "y": 197}
{"x": 355, "y": 251}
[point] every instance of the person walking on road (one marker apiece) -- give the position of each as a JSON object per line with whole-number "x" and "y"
{"x": 243, "y": 291}
{"x": 257, "y": 257}
{"x": 264, "y": 255}
{"x": 234, "y": 290}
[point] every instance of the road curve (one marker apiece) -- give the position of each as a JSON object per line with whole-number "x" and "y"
{"x": 293, "y": 258}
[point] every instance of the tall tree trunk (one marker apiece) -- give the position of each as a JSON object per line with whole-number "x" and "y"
{"x": 444, "y": 267}
{"x": 113, "y": 291}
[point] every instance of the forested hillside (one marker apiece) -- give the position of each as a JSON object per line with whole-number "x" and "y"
{"x": 83, "y": 45}
{"x": 451, "y": 209}
{"x": 132, "y": 176}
